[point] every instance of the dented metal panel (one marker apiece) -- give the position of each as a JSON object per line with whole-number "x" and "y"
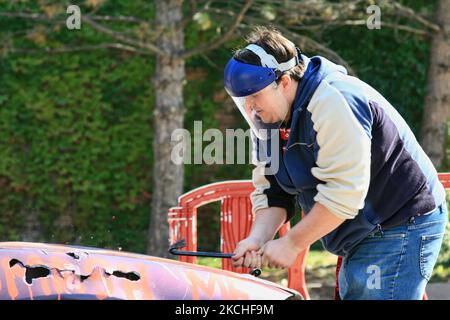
{"x": 45, "y": 271}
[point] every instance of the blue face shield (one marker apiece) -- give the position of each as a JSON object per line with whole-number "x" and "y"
{"x": 243, "y": 80}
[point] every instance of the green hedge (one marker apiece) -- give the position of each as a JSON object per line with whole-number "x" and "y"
{"x": 76, "y": 129}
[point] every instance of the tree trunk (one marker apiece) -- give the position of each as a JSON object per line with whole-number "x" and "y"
{"x": 168, "y": 116}
{"x": 437, "y": 101}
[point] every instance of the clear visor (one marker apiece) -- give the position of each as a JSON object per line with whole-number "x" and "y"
{"x": 264, "y": 119}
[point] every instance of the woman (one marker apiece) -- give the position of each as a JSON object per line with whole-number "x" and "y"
{"x": 348, "y": 159}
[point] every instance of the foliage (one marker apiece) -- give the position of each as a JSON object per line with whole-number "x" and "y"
{"x": 76, "y": 143}
{"x": 76, "y": 128}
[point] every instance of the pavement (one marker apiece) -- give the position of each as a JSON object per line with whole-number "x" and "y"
{"x": 438, "y": 291}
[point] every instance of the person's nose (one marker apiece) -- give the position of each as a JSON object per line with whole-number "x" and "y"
{"x": 248, "y": 104}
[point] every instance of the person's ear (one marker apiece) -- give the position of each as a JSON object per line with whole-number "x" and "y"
{"x": 285, "y": 81}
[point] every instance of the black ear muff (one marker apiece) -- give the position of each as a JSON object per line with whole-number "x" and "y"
{"x": 278, "y": 74}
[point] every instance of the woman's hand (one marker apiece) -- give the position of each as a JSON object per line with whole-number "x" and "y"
{"x": 279, "y": 253}
{"x": 245, "y": 253}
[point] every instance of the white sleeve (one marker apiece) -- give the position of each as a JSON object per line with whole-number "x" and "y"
{"x": 268, "y": 192}
{"x": 344, "y": 155}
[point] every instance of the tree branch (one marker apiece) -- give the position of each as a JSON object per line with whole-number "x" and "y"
{"x": 408, "y": 12}
{"x": 24, "y": 15}
{"x": 405, "y": 28}
{"x": 218, "y": 42}
{"x": 338, "y": 23}
{"x": 36, "y": 16}
{"x": 117, "y": 36}
{"x": 308, "y": 43}
{"x": 304, "y": 42}
{"x": 89, "y": 20}
{"x": 118, "y": 19}
{"x": 66, "y": 49}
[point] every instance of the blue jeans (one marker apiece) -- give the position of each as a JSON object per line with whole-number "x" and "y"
{"x": 396, "y": 263}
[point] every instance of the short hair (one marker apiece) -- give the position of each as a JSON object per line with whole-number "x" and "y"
{"x": 274, "y": 43}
